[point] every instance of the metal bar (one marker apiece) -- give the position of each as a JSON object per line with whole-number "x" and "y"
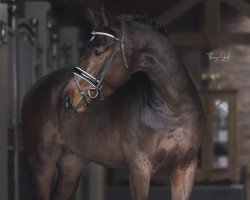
{"x": 15, "y": 103}
{"x": 4, "y": 111}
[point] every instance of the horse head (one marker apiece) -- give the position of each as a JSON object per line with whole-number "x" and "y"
{"x": 106, "y": 63}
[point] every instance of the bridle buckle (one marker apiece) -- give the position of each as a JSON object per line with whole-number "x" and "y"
{"x": 91, "y": 90}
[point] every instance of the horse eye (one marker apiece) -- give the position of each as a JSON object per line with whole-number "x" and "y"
{"x": 98, "y": 53}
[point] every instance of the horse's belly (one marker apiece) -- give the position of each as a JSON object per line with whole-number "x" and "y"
{"x": 110, "y": 161}
{"x": 102, "y": 151}
{"x": 108, "y": 154}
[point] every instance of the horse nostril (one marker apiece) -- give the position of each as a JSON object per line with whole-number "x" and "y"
{"x": 67, "y": 102}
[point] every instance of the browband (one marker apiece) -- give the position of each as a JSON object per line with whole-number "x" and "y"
{"x": 105, "y": 34}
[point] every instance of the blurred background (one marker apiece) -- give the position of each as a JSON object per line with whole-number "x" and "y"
{"x": 211, "y": 36}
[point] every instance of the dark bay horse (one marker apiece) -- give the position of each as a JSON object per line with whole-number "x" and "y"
{"x": 130, "y": 104}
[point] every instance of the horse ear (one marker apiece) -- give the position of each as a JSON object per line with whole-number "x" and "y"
{"x": 94, "y": 17}
{"x": 102, "y": 17}
{"x": 109, "y": 20}
{"x": 105, "y": 17}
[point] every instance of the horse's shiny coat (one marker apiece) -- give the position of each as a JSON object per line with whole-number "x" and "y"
{"x": 151, "y": 118}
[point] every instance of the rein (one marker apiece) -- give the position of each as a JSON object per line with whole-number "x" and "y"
{"x": 97, "y": 81}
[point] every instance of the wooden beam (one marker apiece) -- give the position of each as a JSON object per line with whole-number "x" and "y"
{"x": 212, "y": 18}
{"x": 232, "y": 38}
{"x": 242, "y": 6}
{"x": 200, "y": 40}
{"x": 177, "y": 11}
{"x": 188, "y": 39}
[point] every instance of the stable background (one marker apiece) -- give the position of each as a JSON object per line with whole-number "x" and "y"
{"x": 37, "y": 37}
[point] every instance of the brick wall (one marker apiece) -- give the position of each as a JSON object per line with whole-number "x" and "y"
{"x": 236, "y": 74}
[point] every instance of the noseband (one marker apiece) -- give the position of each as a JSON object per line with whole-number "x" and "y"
{"x": 96, "y": 82}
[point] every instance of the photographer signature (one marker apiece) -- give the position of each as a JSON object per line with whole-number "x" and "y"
{"x": 221, "y": 58}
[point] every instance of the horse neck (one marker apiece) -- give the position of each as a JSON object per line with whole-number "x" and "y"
{"x": 169, "y": 76}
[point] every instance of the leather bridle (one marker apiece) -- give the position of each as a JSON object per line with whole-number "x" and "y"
{"x": 96, "y": 82}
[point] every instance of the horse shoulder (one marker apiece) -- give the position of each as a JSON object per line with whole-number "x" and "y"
{"x": 39, "y": 110}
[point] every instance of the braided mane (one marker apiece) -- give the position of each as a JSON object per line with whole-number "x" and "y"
{"x": 144, "y": 19}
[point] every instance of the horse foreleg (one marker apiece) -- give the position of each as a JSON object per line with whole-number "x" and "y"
{"x": 139, "y": 179}
{"x": 182, "y": 179}
{"x": 43, "y": 164}
{"x": 70, "y": 167}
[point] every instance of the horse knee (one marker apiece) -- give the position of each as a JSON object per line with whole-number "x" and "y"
{"x": 70, "y": 167}
{"x": 42, "y": 169}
